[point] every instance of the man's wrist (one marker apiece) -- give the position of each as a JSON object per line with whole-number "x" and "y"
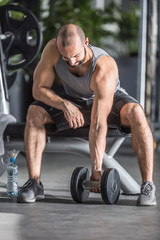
{"x": 63, "y": 105}
{"x": 96, "y": 175}
{"x": 94, "y": 171}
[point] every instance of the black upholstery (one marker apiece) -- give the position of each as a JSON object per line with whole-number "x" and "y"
{"x": 16, "y": 130}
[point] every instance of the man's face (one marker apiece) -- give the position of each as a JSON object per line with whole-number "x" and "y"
{"x": 75, "y": 54}
{"x": 77, "y": 60}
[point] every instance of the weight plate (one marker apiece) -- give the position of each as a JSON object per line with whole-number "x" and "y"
{"x": 110, "y": 186}
{"x": 24, "y": 39}
{"x": 78, "y": 193}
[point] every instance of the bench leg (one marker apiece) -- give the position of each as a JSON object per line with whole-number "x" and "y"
{"x": 128, "y": 184}
{"x": 117, "y": 142}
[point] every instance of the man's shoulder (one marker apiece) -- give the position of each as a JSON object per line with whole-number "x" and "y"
{"x": 104, "y": 62}
{"x": 51, "y": 51}
{"x": 105, "y": 67}
{"x": 102, "y": 58}
{"x": 98, "y": 52}
{"x": 52, "y": 43}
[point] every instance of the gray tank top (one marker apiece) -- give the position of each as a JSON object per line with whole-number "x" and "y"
{"x": 79, "y": 87}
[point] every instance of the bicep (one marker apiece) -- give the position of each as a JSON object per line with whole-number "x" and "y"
{"x": 43, "y": 75}
{"x": 103, "y": 85}
{"x": 102, "y": 105}
{"x": 44, "y": 72}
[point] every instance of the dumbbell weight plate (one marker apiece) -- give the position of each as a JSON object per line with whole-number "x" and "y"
{"x": 26, "y": 36}
{"x": 79, "y": 194}
{"x": 110, "y": 186}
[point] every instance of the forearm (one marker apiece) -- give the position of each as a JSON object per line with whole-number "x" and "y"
{"x": 72, "y": 114}
{"x": 49, "y": 97}
{"x": 97, "y": 143}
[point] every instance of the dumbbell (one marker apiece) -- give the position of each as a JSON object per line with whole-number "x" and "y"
{"x": 80, "y": 185}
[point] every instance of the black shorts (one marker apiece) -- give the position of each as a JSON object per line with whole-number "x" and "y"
{"x": 85, "y": 106}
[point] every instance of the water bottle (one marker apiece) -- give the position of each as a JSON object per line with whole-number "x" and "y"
{"x": 12, "y": 176}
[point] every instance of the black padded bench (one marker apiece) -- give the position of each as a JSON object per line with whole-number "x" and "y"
{"x": 74, "y": 141}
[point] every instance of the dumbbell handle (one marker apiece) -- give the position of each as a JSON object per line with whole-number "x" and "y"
{"x": 87, "y": 184}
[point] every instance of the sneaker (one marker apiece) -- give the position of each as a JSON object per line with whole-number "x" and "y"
{"x": 147, "y": 196}
{"x": 30, "y": 191}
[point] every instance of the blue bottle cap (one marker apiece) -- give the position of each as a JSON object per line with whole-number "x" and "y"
{"x": 12, "y": 159}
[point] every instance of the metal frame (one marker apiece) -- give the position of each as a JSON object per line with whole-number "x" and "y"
{"x": 4, "y": 96}
{"x": 158, "y": 83}
{"x": 142, "y": 54}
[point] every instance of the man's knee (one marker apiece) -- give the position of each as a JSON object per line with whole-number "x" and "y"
{"x": 35, "y": 116}
{"x": 132, "y": 113}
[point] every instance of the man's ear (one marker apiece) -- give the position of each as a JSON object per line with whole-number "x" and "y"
{"x": 86, "y": 41}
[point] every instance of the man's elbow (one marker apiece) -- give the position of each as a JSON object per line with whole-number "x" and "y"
{"x": 35, "y": 93}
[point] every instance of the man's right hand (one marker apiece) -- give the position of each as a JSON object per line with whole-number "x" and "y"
{"x": 73, "y": 116}
{"x": 96, "y": 176}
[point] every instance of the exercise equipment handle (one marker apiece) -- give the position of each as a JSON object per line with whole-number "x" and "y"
{"x": 87, "y": 184}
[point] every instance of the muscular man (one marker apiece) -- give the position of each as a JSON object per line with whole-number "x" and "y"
{"x": 92, "y": 96}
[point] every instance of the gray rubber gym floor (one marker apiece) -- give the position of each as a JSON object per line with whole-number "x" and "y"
{"x": 58, "y": 217}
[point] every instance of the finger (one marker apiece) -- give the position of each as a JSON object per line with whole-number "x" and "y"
{"x": 70, "y": 124}
{"x": 82, "y": 121}
{"x": 78, "y": 123}
{"x": 75, "y": 125}
{"x": 94, "y": 189}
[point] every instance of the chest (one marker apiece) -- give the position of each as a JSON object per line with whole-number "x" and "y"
{"x": 79, "y": 71}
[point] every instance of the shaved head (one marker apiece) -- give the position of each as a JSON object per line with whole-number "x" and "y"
{"x": 68, "y": 33}
{"x": 72, "y": 45}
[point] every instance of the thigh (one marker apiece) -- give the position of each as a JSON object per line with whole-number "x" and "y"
{"x": 121, "y": 98}
{"x": 56, "y": 115}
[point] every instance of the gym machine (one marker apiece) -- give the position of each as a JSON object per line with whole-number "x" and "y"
{"x": 149, "y": 62}
{"x": 16, "y": 39}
